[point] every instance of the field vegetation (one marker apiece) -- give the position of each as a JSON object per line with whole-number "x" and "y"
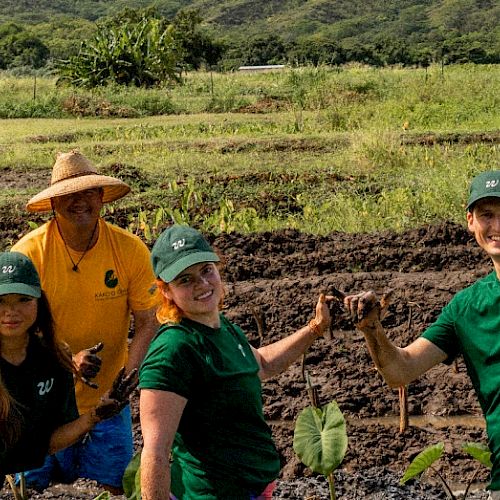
{"x": 36, "y": 35}
{"x": 318, "y": 149}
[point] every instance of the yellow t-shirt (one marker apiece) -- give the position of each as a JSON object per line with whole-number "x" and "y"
{"x": 93, "y": 304}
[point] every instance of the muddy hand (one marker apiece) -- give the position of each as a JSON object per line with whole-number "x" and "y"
{"x": 365, "y": 307}
{"x": 337, "y": 293}
{"x": 113, "y": 401}
{"x": 88, "y": 364}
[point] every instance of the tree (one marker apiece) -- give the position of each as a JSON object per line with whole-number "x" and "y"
{"x": 197, "y": 47}
{"x": 133, "y": 49}
{"x": 268, "y": 49}
{"x": 18, "y": 48}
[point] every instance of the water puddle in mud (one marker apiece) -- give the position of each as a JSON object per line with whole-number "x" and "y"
{"x": 439, "y": 422}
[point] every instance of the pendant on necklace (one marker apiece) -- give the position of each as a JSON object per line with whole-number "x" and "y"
{"x": 75, "y": 268}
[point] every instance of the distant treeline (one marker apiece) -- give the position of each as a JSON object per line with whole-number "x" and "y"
{"x": 185, "y": 42}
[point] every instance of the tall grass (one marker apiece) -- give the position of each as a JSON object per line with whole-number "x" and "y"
{"x": 317, "y": 149}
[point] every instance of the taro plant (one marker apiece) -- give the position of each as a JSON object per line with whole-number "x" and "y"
{"x": 147, "y": 223}
{"x": 320, "y": 440}
{"x": 132, "y": 478}
{"x": 426, "y": 458}
{"x": 190, "y": 199}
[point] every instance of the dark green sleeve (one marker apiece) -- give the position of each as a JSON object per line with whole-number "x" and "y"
{"x": 172, "y": 363}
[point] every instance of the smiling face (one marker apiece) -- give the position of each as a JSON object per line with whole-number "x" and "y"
{"x": 197, "y": 291}
{"x": 17, "y": 315}
{"x": 79, "y": 209}
{"x": 484, "y": 223}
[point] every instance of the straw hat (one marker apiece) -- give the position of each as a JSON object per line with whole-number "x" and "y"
{"x": 72, "y": 172}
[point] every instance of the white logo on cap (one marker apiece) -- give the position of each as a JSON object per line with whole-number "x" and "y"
{"x": 492, "y": 184}
{"x": 8, "y": 269}
{"x": 178, "y": 244}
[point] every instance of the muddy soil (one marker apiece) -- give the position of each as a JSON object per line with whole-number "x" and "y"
{"x": 275, "y": 279}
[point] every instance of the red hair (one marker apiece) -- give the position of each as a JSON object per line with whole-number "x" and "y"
{"x": 168, "y": 311}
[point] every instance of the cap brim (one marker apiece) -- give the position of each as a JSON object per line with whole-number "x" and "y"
{"x": 21, "y": 289}
{"x": 482, "y": 197}
{"x": 175, "y": 269}
{"x": 114, "y": 189}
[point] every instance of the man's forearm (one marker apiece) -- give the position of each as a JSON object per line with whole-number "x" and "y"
{"x": 388, "y": 359}
{"x": 155, "y": 476}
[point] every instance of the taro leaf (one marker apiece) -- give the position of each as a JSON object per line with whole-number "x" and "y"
{"x": 132, "y": 478}
{"x": 320, "y": 438}
{"x": 479, "y": 451}
{"x": 422, "y": 461}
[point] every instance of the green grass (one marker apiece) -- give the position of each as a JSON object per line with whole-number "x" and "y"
{"x": 326, "y": 150}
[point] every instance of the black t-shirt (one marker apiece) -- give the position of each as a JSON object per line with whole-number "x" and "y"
{"x": 45, "y": 397}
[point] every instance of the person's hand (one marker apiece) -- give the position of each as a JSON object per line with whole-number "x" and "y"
{"x": 88, "y": 364}
{"x": 322, "y": 319}
{"x": 113, "y": 401}
{"x": 366, "y": 309}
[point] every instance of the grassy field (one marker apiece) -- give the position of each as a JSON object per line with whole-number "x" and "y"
{"x": 352, "y": 149}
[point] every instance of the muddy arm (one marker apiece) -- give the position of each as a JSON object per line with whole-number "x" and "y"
{"x": 399, "y": 366}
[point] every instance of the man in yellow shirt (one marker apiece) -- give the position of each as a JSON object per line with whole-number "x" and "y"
{"x": 95, "y": 275}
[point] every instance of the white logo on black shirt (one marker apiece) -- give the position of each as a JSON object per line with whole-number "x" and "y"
{"x": 45, "y": 387}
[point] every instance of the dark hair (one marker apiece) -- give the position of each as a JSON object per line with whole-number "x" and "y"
{"x": 43, "y": 329}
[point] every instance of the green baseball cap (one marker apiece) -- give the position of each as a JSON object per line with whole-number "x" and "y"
{"x": 484, "y": 185}
{"x": 178, "y": 248}
{"x": 18, "y": 275}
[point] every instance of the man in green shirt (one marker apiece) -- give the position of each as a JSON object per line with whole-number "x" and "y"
{"x": 469, "y": 325}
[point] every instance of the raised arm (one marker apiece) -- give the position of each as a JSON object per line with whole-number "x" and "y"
{"x": 161, "y": 412}
{"x": 399, "y": 366}
{"x": 278, "y": 356}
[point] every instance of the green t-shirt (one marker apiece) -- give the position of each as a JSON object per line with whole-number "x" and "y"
{"x": 45, "y": 394}
{"x": 470, "y": 325}
{"x": 223, "y": 447}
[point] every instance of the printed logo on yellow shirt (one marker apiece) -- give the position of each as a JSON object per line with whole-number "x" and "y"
{"x": 110, "y": 280}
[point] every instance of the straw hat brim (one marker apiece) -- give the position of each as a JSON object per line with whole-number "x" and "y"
{"x": 114, "y": 189}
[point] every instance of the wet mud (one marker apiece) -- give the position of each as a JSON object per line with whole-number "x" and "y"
{"x": 274, "y": 279}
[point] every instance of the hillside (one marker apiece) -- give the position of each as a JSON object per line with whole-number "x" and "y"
{"x": 291, "y": 19}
